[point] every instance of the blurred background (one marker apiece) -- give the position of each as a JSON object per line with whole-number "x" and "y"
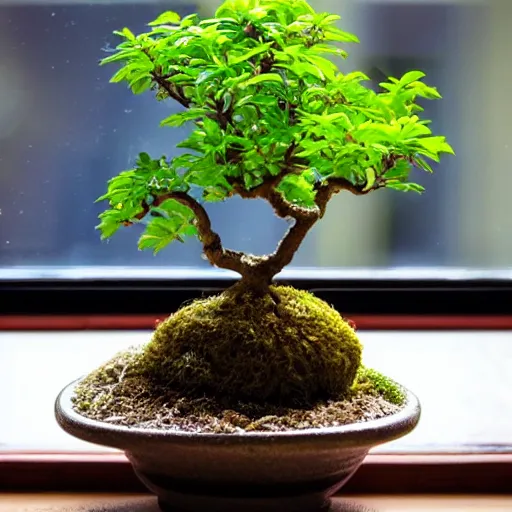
{"x": 64, "y": 131}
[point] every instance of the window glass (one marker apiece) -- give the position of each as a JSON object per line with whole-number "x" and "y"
{"x": 64, "y": 131}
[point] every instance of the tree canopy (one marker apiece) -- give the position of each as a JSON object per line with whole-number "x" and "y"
{"x": 271, "y": 116}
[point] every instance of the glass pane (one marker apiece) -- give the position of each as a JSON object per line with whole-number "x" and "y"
{"x": 64, "y": 131}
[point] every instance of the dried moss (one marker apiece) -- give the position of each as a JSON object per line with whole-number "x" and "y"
{"x": 294, "y": 354}
{"x": 120, "y": 394}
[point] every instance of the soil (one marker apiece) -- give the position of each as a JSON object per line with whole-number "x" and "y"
{"x": 119, "y": 395}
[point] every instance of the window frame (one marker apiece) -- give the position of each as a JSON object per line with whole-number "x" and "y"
{"x": 374, "y": 299}
{"x": 370, "y": 292}
{"x": 379, "y": 474}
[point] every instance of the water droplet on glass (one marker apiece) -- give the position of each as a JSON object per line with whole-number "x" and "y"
{"x": 53, "y": 14}
{"x": 21, "y": 212}
{"x": 7, "y": 242}
{"x": 127, "y": 110}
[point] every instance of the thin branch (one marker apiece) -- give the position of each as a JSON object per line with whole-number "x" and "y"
{"x": 268, "y": 190}
{"x": 335, "y": 185}
{"x": 291, "y": 242}
{"x": 284, "y": 208}
{"x": 324, "y": 192}
{"x": 170, "y": 90}
{"x": 161, "y": 80}
{"x": 212, "y": 244}
{"x": 288, "y": 246}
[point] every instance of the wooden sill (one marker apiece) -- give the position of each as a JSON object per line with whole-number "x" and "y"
{"x": 131, "y": 503}
{"x": 380, "y": 474}
{"x": 364, "y": 322}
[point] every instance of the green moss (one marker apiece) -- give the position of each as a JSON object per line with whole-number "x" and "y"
{"x": 250, "y": 350}
{"x": 370, "y": 381}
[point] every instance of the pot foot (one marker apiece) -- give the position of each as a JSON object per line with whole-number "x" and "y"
{"x": 315, "y": 503}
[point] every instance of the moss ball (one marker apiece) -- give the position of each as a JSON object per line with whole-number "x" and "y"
{"x": 293, "y": 354}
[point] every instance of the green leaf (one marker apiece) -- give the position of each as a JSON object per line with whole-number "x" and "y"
{"x": 181, "y": 118}
{"x": 144, "y": 159}
{"x": 422, "y": 164}
{"x": 414, "y": 129}
{"x": 181, "y": 78}
{"x": 264, "y": 77}
{"x": 297, "y": 189}
{"x": 304, "y": 68}
{"x": 227, "y": 100}
{"x": 141, "y": 85}
{"x": 405, "y": 187}
{"x": 239, "y": 141}
{"x": 233, "y": 61}
{"x": 335, "y": 34}
{"x": 323, "y": 48}
{"x": 119, "y": 56}
{"x": 214, "y": 194}
{"x": 411, "y": 76}
{"x": 166, "y": 18}
{"x": 371, "y": 132}
{"x": 436, "y": 145}
{"x": 324, "y": 65}
{"x": 399, "y": 171}
{"x": 328, "y": 19}
{"x": 213, "y": 131}
{"x": 126, "y": 32}
{"x": 370, "y": 179}
{"x": 222, "y": 39}
{"x": 175, "y": 221}
{"x": 159, "y": 233}
{"x": 430, "y": 93}
{"x": 110, "y": 223}
{"x": 251, "y": 180}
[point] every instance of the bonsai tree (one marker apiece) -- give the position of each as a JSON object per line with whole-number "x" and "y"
{"x": 271, "y": 117}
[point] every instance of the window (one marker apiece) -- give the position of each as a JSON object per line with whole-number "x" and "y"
{"x": 64, "y": 131}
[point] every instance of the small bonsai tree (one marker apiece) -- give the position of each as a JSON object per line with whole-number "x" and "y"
{"x": 272, "y": 118}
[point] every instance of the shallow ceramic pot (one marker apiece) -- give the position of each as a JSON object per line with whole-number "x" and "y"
{"x": 295, "y": 471}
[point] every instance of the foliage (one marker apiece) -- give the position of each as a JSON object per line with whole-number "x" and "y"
{"x": 270, "y": 112}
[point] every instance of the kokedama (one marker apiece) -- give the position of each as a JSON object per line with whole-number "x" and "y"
{"x": 273, "y": 118}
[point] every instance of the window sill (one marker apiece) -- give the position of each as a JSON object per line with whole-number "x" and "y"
{"x": 380, "y": 474}
{"x": 132, "y": 503}
{"x": 366, "y": 322}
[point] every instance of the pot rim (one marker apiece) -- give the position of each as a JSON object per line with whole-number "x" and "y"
{"x": 375, "y": 431}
